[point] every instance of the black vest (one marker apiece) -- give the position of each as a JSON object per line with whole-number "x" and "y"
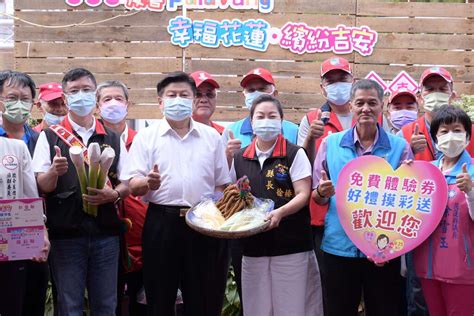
{"x": 66, "y": 218}
{"x": 273, "y": 181}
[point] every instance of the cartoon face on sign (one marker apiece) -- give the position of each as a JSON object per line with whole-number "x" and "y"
{"x": 387, "y": 213}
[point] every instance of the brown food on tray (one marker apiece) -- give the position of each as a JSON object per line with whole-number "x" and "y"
{"x": 235, "y": 199}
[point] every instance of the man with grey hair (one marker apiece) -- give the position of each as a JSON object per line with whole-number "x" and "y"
{"x": 348, "y": 272}
{"x": 113, "y": 103}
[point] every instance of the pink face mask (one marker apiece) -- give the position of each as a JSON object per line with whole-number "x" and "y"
{"x": 113, "y": 111}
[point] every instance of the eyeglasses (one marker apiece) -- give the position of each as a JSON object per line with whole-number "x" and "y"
{"x": 209, "y": 95}
{"x": 16, "y": 99}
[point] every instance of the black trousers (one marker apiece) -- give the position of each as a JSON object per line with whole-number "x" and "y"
{"x": 23, "y": 287}
{"x": 346, "y": 279}
{"x": 175, "y": 256}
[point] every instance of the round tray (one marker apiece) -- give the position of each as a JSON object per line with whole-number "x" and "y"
{"x": 190, "y": 220}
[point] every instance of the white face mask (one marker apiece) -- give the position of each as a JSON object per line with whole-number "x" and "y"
{"x": 339, "y": 93}
{"x": 452, "y": 144}
{"x": 434, "y": 101}
{"x": 266, "y": 129}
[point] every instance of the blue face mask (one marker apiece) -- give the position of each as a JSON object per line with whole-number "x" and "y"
{"x": 338, "y": 93}
{"x": 81, "y": 103}
{"x": 266, "y": 129}
{"x": 250, "y": 97}
{"x": 177, "y": 109}
{"x": 52, "y": 119}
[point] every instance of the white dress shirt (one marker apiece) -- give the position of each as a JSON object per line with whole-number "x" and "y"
{"x": 190, "y": 167}
{"x": 17, "y": 179}
{"x": 42, "y": 159}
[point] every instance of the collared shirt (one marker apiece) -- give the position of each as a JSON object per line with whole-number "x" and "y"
{"x": 17, "y": 179}
{"x": 42, "y": 158}
{"x": 85, "y": 133}
{"x": 320, "y": 161}
{"x": 26, "y": 136}
{"x": 190, "y": 167}
{"x": 124, "y": 135}
{"x": 358, "y": 144}
{"x": 299, "y": 169}
{"x": 217, "y": 127}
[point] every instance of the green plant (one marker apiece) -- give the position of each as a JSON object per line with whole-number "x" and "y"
{"x": 466, "y": 102}
{"x": 231, "y": 305}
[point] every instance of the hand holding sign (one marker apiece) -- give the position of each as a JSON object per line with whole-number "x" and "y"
{"x": 418, "y": 141}
{"x": 463, "y": 180}
{"x": 387, "y": 213}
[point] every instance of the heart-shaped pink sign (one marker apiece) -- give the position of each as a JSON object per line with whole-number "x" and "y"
{"x": 387, "y": 213}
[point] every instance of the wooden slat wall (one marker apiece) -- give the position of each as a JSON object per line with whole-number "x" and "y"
{"x": 136, "y": 48}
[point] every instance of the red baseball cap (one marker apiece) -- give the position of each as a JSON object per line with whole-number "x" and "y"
{"x": 261, "y": 73}
{"x": 435, "y": 71}
{"x": 399, "y": 92}
{"x": 201, "y": 76}
{"x": 50, "y": 91}
{"x": 335, "y": 63}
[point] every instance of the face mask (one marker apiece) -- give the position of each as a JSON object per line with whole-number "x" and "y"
{"x": 177, "y": 109}
{"x": 339, "y": 93}
{"x": 113, "y": 111}
{"x": 266, "y": 129}
{"x": 434, "y": 101}
{"x": 452, "y": 144}
{"x": 17, "y": 111}
{"x": 401, "y": 118}
{"x": 52, "y": 119}
{"x": 81, "y": 103}
{"x": 250, "y": 97}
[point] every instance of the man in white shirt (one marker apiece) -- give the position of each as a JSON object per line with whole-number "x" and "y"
{"x": 84, "y": 248}
{"x": 27, "y": 292}
{"x": 173, "y": 164}
{"x": 17, "y": 181}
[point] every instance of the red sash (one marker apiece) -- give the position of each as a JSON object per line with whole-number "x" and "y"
{"x": 71, "y": 140}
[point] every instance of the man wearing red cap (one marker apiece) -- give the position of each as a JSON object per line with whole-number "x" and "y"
{"x": 256, "y": 82}
{"x": 402, "y": 109}
{"x": 436, "y": 85}
{"x": 332, "y": 117}
{"x": 51, "y": 105}
{"x": 206, "y": 98}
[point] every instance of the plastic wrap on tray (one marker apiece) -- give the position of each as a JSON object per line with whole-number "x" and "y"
{"x": 207, "y": 215}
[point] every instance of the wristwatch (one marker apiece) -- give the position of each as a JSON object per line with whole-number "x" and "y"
{"x": 119, "y": 196}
